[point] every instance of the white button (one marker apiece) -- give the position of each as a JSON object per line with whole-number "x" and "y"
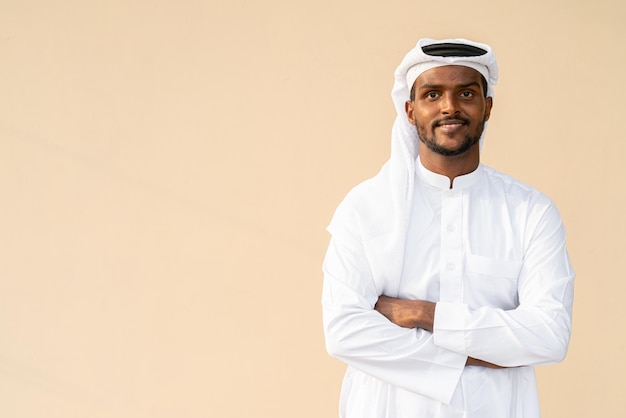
{"x": 451, "y": 228}
{"x": 448, "y": 193}
{"x": 451, "y": 266}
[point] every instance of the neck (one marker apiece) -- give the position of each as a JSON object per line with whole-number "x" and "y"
{"x": 450, "y": 167}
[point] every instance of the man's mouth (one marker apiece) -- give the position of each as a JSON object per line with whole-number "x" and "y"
{"x": 450, "y": 125}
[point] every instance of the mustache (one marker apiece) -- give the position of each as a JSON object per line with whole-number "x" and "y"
{"x": 456, "y": 119}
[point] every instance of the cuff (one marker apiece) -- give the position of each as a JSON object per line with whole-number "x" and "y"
{"x": 443, "y": 377}
{"x": 449, "y": 326}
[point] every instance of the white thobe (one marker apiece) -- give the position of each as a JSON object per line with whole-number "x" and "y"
{"x": 490, "y": 251}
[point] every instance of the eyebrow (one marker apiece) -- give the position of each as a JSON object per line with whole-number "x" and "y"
{"x": 438, "y": 86}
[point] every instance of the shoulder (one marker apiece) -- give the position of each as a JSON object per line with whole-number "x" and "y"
{"x": 514, "y": 189}
{"x": 529, "y": 202}
{"x": 365, "y": 205}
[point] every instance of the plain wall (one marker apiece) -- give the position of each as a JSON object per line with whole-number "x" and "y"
{"x": 168, "y": 168}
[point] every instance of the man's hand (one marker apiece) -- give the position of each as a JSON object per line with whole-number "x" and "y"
{"x": 407, "y": 313}
{"x": 475, "y": 362}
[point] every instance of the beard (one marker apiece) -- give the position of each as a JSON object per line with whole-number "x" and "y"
{"x": 469, "y": 140}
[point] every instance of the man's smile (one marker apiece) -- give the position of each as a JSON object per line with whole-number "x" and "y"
{"x": 450, "y": 125}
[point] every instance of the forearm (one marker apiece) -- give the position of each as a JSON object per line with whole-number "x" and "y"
{"x": 520, "y": 337}
{"x": 514, "y": 338}
{"x": 359, "y": 336}
{"x": 407, "y": 313}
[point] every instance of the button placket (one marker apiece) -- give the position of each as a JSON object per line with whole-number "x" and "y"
{"x": 451, "y": 286}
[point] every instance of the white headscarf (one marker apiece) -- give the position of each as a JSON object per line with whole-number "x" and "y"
{"x": 415, "y": 62}
{"x": 388, "y": 196}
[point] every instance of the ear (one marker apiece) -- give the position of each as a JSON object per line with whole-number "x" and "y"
{"x": 409, "y": 107}
{"x": 488, "y": 106}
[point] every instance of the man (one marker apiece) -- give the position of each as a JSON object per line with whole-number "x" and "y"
{"x": 445, "y": 281}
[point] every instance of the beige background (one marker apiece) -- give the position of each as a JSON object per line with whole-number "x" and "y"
{"x": 167, "y": 169}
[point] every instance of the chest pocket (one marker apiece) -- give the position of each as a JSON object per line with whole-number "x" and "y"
{"x": 491, "y": 282}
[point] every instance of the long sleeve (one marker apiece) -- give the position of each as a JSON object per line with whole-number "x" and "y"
{"x": 361, "y": 337}
{"x": 535, "y": 332}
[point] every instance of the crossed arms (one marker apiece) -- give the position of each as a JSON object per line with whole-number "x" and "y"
{"x": 417, "y": 314}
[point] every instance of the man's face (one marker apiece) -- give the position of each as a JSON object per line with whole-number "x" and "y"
{"x": 450, "y": 109}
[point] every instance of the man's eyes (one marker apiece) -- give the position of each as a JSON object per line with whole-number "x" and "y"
{"x": 466, "y": 94}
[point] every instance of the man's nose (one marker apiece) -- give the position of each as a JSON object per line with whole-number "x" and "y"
{"x": 449, "y": 104}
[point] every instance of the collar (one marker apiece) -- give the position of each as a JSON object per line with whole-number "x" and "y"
{"x": 442, "y": 182}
